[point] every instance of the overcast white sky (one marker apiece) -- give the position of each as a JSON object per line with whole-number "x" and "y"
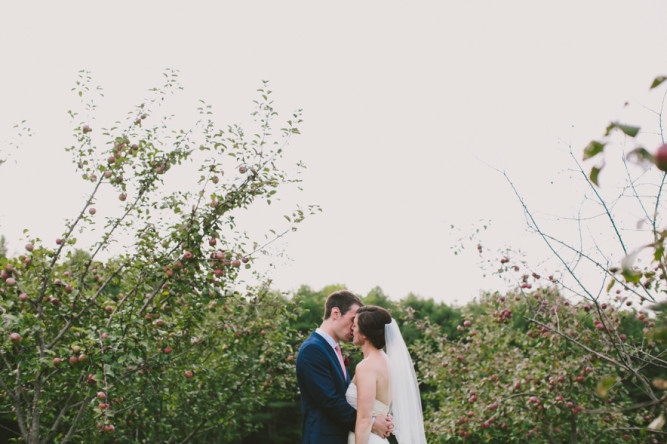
{"x": 405, "y": 106}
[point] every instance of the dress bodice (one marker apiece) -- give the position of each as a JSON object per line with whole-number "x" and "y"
{"x": 379, "y": 407}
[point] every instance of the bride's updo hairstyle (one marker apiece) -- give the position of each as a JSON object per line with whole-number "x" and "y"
{"x": 371, "y": 320}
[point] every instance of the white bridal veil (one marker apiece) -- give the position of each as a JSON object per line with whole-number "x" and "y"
{"x": 406, "y": 404}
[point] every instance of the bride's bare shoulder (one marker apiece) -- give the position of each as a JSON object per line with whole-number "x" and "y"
{"x": 372, "y": 364}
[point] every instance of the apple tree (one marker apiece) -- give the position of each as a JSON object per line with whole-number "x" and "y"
{"x": 597, "y": 322}
{"x": 139, "y": 323}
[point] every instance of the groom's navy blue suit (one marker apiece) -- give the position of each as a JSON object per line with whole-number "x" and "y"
{"x": 327, "y": 417}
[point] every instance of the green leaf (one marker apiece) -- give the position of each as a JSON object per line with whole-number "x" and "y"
{"x": 593, "y": 149}
{"x": 611, "y": 284}
{"x": 604, "y": 384}
{"x": 631, "y": 131}
{"x": 595, "y": 172}
{"x": 658, "y": 81}
{"x": 640, "y": 155}
{"x": 629, "y": 273}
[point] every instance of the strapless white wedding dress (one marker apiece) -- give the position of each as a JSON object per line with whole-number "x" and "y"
{"x": 379, "y": 408}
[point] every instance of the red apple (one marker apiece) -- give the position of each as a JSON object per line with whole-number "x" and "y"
{"x": 57, "y": 361}
{"x": 73, "y": 360}
{"x": 212, "y": 241}
{"x": 23, "y": 297}
{"x": 242, "y": 170}
{"x": 661, "y": 157}
{"x": 15, "y": 337}
{"x": 236, "y": 263}
{"x": 101, "y": 395}
{"x": 245, "y": 260}
{"x": 86, "y": 129}
{"x": 167, "y": 349}
{"x": 92, "y": 210}
{"x": 10, "y": 281}
{"x": 29, "y": 247}
{"x": 122, "y": 197}
{"x": 188, "y": 374}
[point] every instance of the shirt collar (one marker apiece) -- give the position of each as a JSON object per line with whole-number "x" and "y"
{"x": 327, "y": 338}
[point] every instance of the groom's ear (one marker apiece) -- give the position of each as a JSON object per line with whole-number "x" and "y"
{"x": 335, "y": 313}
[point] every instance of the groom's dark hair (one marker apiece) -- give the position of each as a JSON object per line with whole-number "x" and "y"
{"x": 342, "y": 299}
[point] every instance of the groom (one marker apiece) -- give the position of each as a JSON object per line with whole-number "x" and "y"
{"x": 323, "y": 378}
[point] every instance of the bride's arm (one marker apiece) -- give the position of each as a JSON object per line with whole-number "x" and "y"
{"x": 366, "y": 382}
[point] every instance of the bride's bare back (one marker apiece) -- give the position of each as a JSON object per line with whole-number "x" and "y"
{"x": 373, "y": 383}
{"x": 374, "y": 370}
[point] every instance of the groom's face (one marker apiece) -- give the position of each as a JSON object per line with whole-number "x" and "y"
{"x": 344, "y": 323}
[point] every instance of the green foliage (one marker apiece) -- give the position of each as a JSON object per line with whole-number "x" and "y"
{"x": 215, "y": 383}
{"x": 545, "y": 381}
{"x": 3, "y": 247}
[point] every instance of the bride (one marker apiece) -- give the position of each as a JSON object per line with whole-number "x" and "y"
{"x": 383, "y": 379}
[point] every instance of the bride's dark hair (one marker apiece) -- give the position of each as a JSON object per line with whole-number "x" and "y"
{"x": 371, "y": 320}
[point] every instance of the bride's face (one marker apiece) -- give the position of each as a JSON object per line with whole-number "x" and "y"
{"x": 357, "y": 337}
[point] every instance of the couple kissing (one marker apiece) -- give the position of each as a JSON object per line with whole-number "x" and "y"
{"x": 382, "y": 398}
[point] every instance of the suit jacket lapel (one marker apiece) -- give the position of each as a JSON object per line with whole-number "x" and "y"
{"x": 333, "y": 357}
